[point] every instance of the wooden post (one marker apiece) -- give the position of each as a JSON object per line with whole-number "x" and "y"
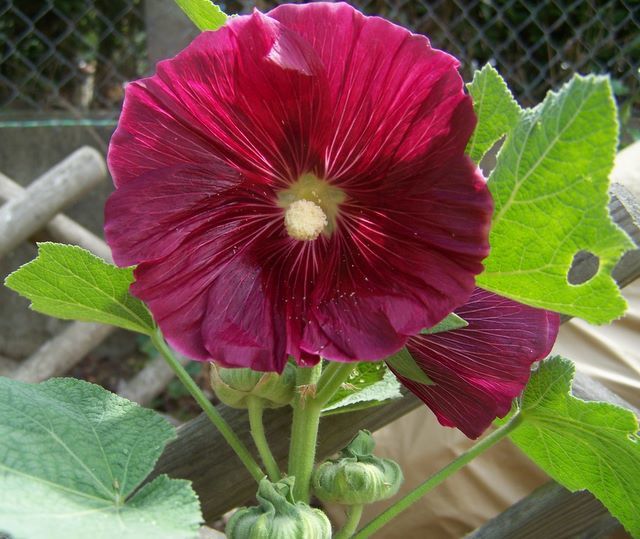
{"x": 77, "y": 174}
{"x": 61, "y": 228}
{"x": 62, "y": 185}
{"x": 59, "y": 354}
{"x": 149, "y": 382}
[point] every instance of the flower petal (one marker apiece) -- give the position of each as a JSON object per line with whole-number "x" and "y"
{"x": 180, "y": 287}
{"x": 479, "y": 369}
{"x": 413, "y": 230}
{"x": 244, "y": 322}
{"x": 148, "y": 217}
{"x": 318, "y": 90}
{"x": 393, "y": 96}
{"x": 250, "y": 94}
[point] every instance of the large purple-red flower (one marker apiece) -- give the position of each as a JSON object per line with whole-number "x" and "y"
{"x": 478, "y": 370}
{"x": 295, "y": 183}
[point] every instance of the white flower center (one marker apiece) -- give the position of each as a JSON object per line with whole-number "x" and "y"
{"x": 304, "y": 220}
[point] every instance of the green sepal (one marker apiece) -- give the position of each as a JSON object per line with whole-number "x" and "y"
{"x": 369, "y": 384}
{"x": 234, "y": 386}
{"x": 278, "y": 516}
{"x": 357, "y": 476}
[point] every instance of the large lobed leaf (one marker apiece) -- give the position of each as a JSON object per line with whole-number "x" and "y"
{"x": 582, "y": 445}
{"x": 496, "y": 109}
{"x": 550, "y": 187}
{"x": 68, "y": 282}
{"x": 71, "y": 458}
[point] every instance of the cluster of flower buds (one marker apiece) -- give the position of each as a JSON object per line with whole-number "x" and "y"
{"x": 235, "y": 386}
{"x": 357, "y": 477}
{"x": 278, "y": 516}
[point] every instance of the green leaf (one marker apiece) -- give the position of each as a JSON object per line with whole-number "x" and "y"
{"x": 550, "y": 187}
{"x": 404, "y": 364}
{"x": 496, "y": 109}
{"x": 370, "y": 384}
{"x": 582, "y": 445}
{"x": 72, "y": 456}
{"x": 203, "y": 13}
{"x": 451, "y": 322}
{"x": 68, "y": 282}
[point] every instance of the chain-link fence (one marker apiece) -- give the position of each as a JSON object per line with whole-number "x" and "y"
{"x": 76, "y": 54}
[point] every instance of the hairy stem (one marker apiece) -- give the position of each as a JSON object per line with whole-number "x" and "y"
{"x": 256, "y": 407}
{"x": 437, "y": 478}
{"x": 209, "y": 409}
{"x": 354, "y": 513}
{"x": 304, "y": 432}
{"x": 334, "y": 375}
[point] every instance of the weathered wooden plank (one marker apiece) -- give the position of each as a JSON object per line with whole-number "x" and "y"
{"x": 551, "y": 511}
{"x": 149, "y": 382}
{"x": 62, "y": 185}
{"x": 60, "y": 353}
{"x": 61, "y": 228}
{"x": 201, "y": 455}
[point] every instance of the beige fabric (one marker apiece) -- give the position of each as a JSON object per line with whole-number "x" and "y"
{"x": 502, "y": 476}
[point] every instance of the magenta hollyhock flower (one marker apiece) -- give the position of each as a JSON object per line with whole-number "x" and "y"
{"x": 478, "y": 370}
{"x": 295, "y": 183}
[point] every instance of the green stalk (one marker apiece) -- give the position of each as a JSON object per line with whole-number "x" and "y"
{"x": 332, "y": 378}
{"x": 209, "y": 409}
{"x": 304, "y": 432}
{"x": 255, "y": 406}
{"x": 354, "y": 513}
{"x": 437, "y": 478}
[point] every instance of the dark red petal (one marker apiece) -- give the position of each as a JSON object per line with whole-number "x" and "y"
{"x": 148, "y": 217}
{"x": 348, "y": 329}
{"x": 478, "y": 370}
{"x": 359, "y": 102}
{"x": 251, "y": 94}
{"x": 175, "y": 290}
{"x": 180, "y": 287}
{"x": 244, "y": 323}
{"x": 392, "y": 95}
{"x": 413, "y": 230}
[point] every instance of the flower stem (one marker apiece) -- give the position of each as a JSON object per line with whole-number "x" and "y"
{"x": 304, "y": 432}
{"x": 354, "y": 513}
{"x": 437, "y": 478}
{"x": 209, "y": 409}
{"x": 255, "y": 407}
{"x": 332, "y": 378}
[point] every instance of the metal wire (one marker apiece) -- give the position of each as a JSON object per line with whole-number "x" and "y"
{"x": 75, "y": 55}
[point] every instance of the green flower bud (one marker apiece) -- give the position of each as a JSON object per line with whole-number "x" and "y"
{"x": 278, "y": 516}
{"x": 357, "y": 477}
{"x": 233, "y": 386}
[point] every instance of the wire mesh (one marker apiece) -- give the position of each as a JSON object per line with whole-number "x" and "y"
{"x": 62, "y": 54}
{"x": 76, "y": 54}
